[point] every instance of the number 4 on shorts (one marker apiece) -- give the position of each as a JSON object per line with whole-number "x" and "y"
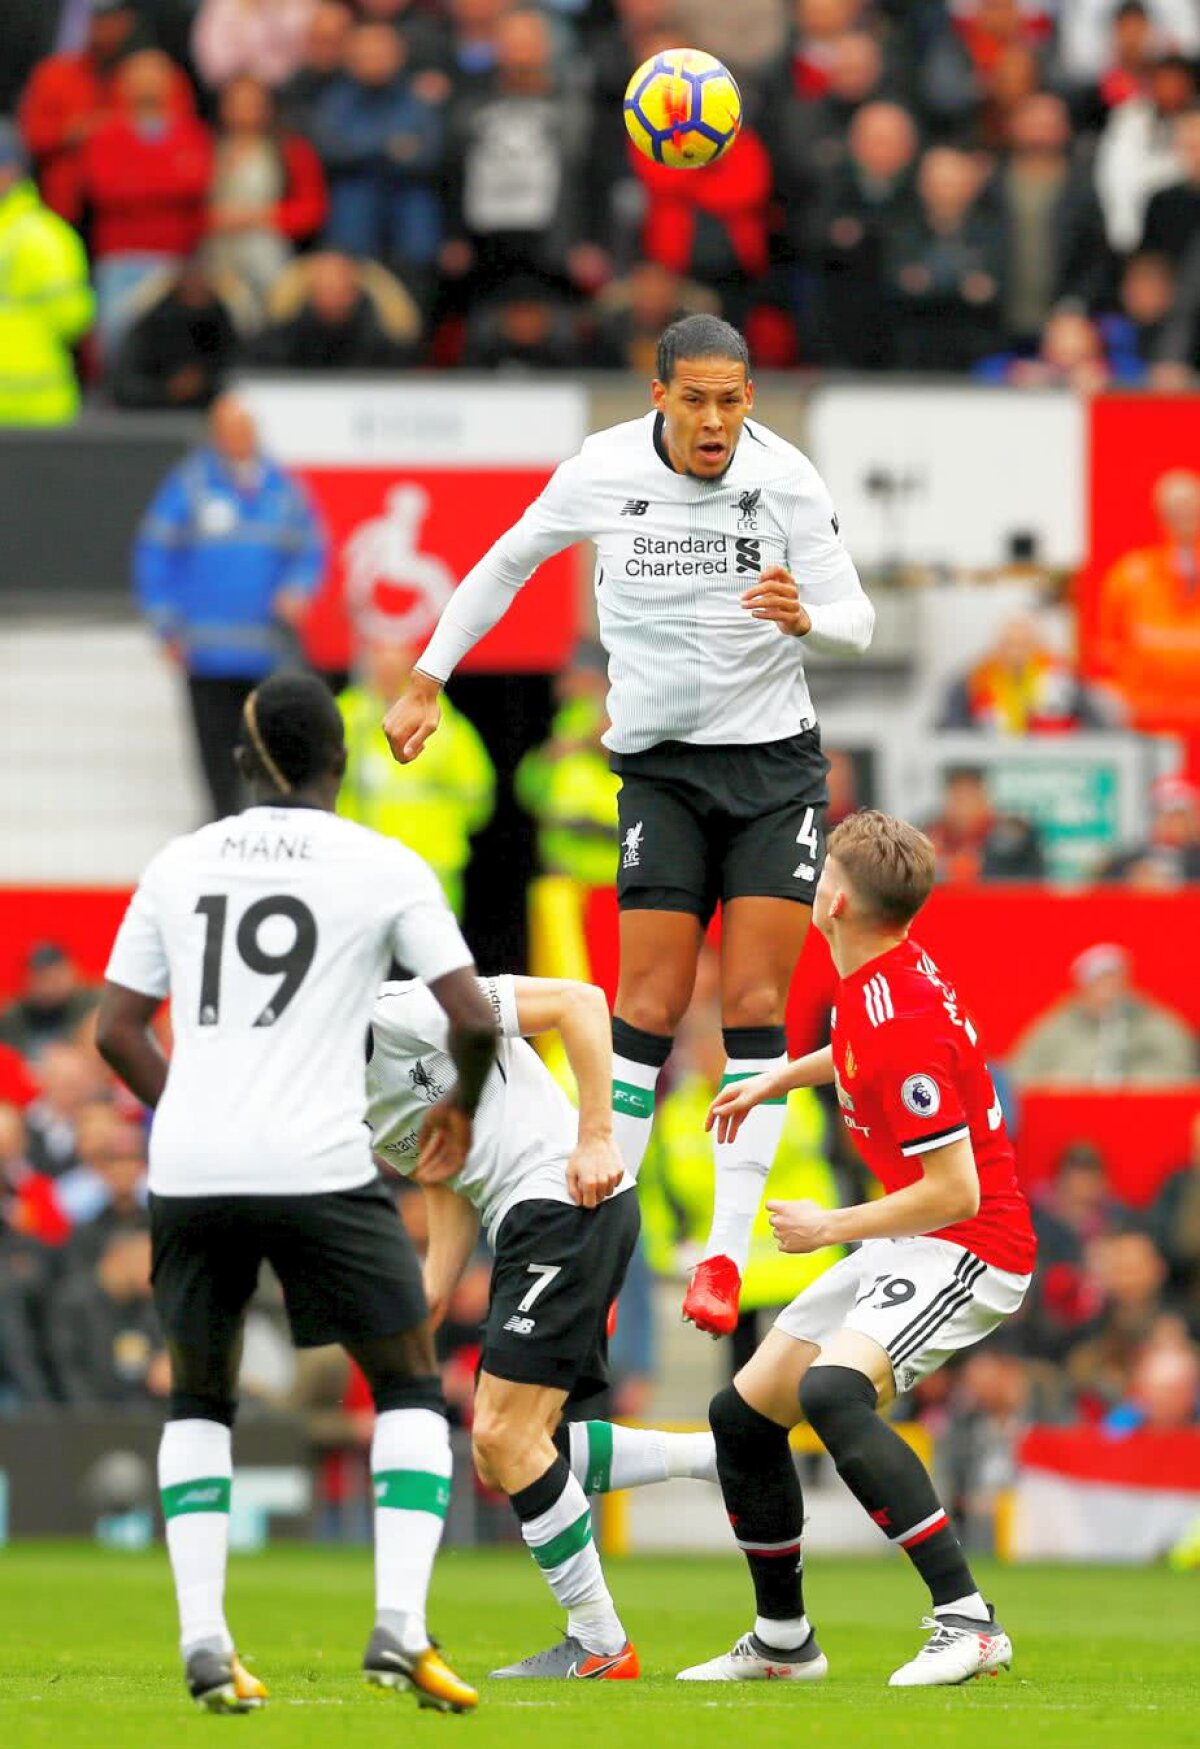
{"x": 807, "y": 838}
{"x": 545, "y": 1273}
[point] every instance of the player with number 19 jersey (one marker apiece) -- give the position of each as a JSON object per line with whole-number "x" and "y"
{"x": 911, "y": 1076}
{"x": 237, "y": 919}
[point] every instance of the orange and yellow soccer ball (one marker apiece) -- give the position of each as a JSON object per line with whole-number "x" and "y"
{"x": 683, "y": 109}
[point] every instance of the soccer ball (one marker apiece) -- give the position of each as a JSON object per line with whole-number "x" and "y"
{"x": 683, "y": 109}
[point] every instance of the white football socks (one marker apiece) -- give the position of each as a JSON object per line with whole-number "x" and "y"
{"x": 973, "y": 1607}
{"x": 606, "y": 1457}
{"x": 410, "y": 1470}
{"x": 743, "y": 1164}
{"x": 560, "y": 1541}
{"x": 782, "y": 1636}
{"x": 195, "y": 1475}
{"x": 633, "y": 1109}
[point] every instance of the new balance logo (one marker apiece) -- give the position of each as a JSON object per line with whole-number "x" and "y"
{"x": 521, "y": 1326}
{"x": 635, "y": 507}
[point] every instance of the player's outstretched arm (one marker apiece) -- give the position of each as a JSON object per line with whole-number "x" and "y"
{"x": 946, "y": 1192}
{"x": 579, "y": 1014}
{"x": 125, "y": 1041}
{"x": 413, "y": 718}
{"x": 731, "y": 1105}
{"x": 453, "y": 1230}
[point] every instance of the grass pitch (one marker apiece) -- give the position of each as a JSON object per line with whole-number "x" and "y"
{"x": 1104, "y": 1657}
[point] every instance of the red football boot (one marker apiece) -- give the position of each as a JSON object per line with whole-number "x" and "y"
{"x": 711, "y": 1301}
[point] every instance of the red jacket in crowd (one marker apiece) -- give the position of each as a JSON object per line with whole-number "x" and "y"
{"x": 67, "y": 98}
{"x": 304, "y": 203}
{"x": 147, "y": 192}
{"x": 735, "y": 192}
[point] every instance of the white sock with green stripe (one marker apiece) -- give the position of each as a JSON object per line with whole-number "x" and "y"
{"x": 195, "y": 1475}
{"x": 606, "y": 1457}
{"x": 410, "y": 1471}
{"x": 556, "y": 1524}
{"x": 638, "y": 1058}
{"x": 743, "y": 1164}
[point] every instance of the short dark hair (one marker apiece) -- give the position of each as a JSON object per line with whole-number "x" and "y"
{"x": 699, "y": 337}
{"x": 292, "y": 731}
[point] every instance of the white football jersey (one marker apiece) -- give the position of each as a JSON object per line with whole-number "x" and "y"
{"x": 271, "y": 931}
{"x": 525, "y": 1127}
{"x": 674, "y": 554}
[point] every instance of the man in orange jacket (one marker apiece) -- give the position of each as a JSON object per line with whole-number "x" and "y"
{"x": 1148, "y": 632}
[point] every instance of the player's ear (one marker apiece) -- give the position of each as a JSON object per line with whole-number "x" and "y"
{"x": 340, "y": 760}
{"x": 749, "y": 393}
{"x": 658, "y": 394}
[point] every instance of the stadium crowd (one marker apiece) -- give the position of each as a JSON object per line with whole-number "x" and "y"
{"x": 1009, "y": 188}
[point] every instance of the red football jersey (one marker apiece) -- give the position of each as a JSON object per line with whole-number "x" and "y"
{"x": 911, "y": 1076}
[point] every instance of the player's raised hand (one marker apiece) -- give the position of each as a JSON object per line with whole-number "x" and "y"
{"x": 729, "y": 1108}
{"x": 776, "y": 597}
{"x": 413, "y": 718}
{"x": 799, "y": 1226}
{"x": 594, "y": 1170}
{"x": 444, "y": 1143}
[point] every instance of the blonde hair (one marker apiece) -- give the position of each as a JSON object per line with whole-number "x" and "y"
{"x": 890, "y": 864}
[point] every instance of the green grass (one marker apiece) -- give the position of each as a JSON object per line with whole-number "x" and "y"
{"x": 87, "y": 1658}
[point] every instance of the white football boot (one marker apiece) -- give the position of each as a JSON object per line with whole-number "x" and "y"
{"x": 958, "y": 1648}
{"x": 753, "y": 1661}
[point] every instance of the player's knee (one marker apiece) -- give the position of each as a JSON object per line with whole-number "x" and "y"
{"x": 754, "y": 1003}
{"x": 834, "y": 1399}
{"x": 199, "y": 1406}
{"x": 501, "y": 1445}
{"x": 404, "y": 1391}
{"x": 736, "y": 1426}
{"x": 652, "y": 1010}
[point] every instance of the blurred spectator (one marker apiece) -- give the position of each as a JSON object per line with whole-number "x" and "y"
{"x": 1099, "y": 42}
{"x": 1105, "y": 1034}
{"x": 116, "y": 1196}
{"x": 104, "y": 1338}
{"x": 1131, "y": 1275}
{"x": 1174, "y": 1220}
{"x": 845, "y": 233}
{"x": 819, "y": 24}
{"x": 516, "y": 146}
{"x": 68, "y": 1079}
{"x": 526, "y": 328}
{"x": 1069, "y": 1213}
{"x": 1137, "y": 153}
{"x": 51, "y": 1004}
{"x": 338, "y": 325}
{"x": 475, "y": 28}
{"x": 1021, "y": 687}
{"x": 227, "y": 556}
{"x": 265, "y": 39}
{"x": 1135, "y": 335}
{"x": 749, "y": 37}
{"x": 45, "y": 301}
{"x": 1173, "y": 215}
{"x": 975, "y": 843}
{"x": 1164, "y": 1390}
{"x": 566, "y": 784}
{"x": 1054, "y": 231}
{"x": 320, "y": 67}
{"x": 28, "y": 1204}
{"x": 808, "y": 136}
{"x": 178, "y": 351}
{"x": 998, "y": 1395}
{"x": 145, "y": 174}
{"x": 631, "y": 313}
{"x": 945, "y": 268}
{"x": 842, "y": 782}
{"x": 1148, "y": 621}
{"x": 24, "y": 1376}
{"x": 435, "y": 810}
{"x": 425, "y": 33}
{"x": 268, "y": 189}
{"x": 609, "y": 190}
{"x": 382, "y": 145}
{"x": 713, "y": 228}
{"x": 1071, "y": 354}
{"x": 1177, "y": 348}
{"x": 69, "y": 95}
{"x": 1171, "y": 856}
{"x": 17, "y": 1085}
{"x": 80, "y": 1188}
{"x": 990, "y": 29}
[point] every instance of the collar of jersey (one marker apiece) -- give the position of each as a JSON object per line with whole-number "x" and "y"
{"x": 882, "y": 962}
{"x": 660, "y": 450}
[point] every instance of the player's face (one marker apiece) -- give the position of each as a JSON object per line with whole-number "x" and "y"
{"x": 704, "y": 407}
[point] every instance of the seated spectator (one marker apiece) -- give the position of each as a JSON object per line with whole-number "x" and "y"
{"x": 116, "y": 1194}
{"x": 1069, "y": 1213}
{"x": 382, "y": 145}
{"x": 749, "y": 37}
{"x": 515, "y": 154}
{"x": 974, "y": 842}
{"x": 268, "y": 189}
{"x": 426, "y": 38}
{"x": 52, "y": 1002}
{"x": 1112, "y": 47}
{"x": 1171, "y": 856}
{"x": 1173, "y": 215}
{"x": 1015, "y": 77}
{"x": 181, "y": 347}
{"x": 1164, "y": 1390}
{"x": 28, "y": 1204}
{"x": 1177, "y": 347}
{"x": 1131, "y": 1275}
{"x": 46, "y": 303}
{"x": 819, "y": 24}
{"x": 334, "y": 314}
{"x": 631, "y": 313}
{"x": 24, "y": 1273}
{"x": 69, "y": 95}
{"x": 945, "y": 267}
{"x": 69, "y": 1079}
{"x": 1174, "y": 1219}
{"x": 105, "y": 1344}
{"x": 1071, "y": 354}
{"x": 990, "y": 28}
{"x": 1148, "y": 620}
{"x": 265, "y": 39}
{"x": 1020, "y": 687}
{"x": 526, "y": 328}
{"x": 713, "y": 228}
{"x": 998, "y": 1395}
{"x": 17, "y": 1085}
{"x": 1054, "y": 241}
{"x": 475, "y": 52}
{"x": 1135, "y": 334}
{"x": 1137, "y": 154}
{"x": 1104, "y": 1033}
{"x": 145, "y": 174}
{"x": 320, "y": 68}
{"x": 807, "y": 137}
